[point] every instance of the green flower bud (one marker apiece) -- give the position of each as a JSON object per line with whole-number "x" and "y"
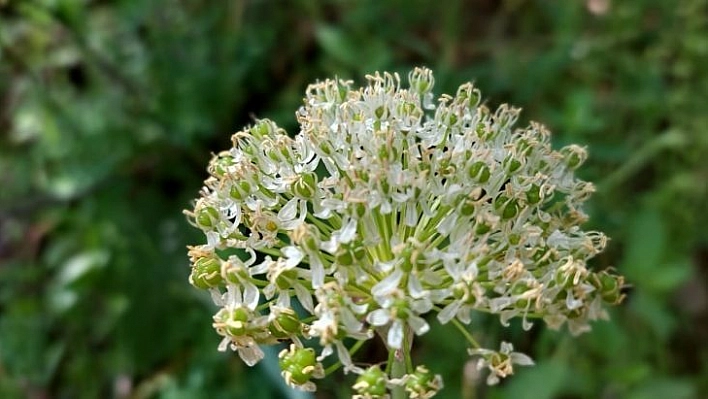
{"x": 468, "y": 95}
{"x": 207, "y": 217}
{"x": 467, "y": 208}
{"x": 482, "y": 228}
{"x": 284, "y": 279}
{"x": 285, "y": 324}
{"x": 344, "y": 258}
{"x": 371, "y": 383}
{"x": 533, "y": 195}
{"x": 220, "y": 164}
{"x": 514, "y": 239}
{"x": 233, "y": 322}
{"x": 511, "y": 164}
{"x": 508, "y": 207}
{"x": 240, "y": 190}
{"x": 261, "y": 129}
{"x": 206, "y": 273}
{"x": 422, "y": 382}
{"x": 573, "y": 156}
{"x": 421, "y": 80}
{"x": 479, "y": 172}
{"x": 610, "y": 287}
{"x": 306, "y": 186}
{"x": 299, "y": 363}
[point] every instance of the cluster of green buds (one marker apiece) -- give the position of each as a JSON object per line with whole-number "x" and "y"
{"x": 388, "y": 211}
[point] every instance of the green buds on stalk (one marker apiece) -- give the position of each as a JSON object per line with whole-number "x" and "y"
{"x": 371, "y": 384}
{"x": 299, "y": 366}
{"x": 206, "y": 273}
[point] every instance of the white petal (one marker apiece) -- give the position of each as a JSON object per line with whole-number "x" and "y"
{"x": 250, "y": 295}
{"x": 224, "y": 344}
{"x": 217, "y": 297}
{"x": 554, "y": 321}
{"x": 269, "y": 291}
{"x": 577, "y": 327}
{"x": 233, "y": 295}
{"x": 305, "y": 298}
{"x": 422, "y": 306}
{"x": 411, "y": 214}
{"x": 414, "y": 287}
{"x": 446, "y": 225}
{"x": 506, "y": 347}
{"x": 343, "y": 355}
{"x": 399, "y": 197}
{"x": 251, "y": 354}
{"x": 378, "y": 317}
{"x": 283, "y": 300}
{"x": 293, "y": 254}
{"x": 359, "y": 308}
{"x": 385, "y": 208}
{"x": 418, "y": 324}
{"x": 525, "y": 324}
{"x": 262, "y": 267}
{"x": 492, "y": 379}
{"x": 571, "y": 302}
{"x": 521, "y": 359}
{"x": 506, "y": 315}
{"x": 349, "y": 321}
{"x": 497, "y": 304}
{"x": 464, "y": 314}
{"x": 384, "y": 267}
{"x": 289, "y": 210}
{"x": 213, "y": 238}
{"x": 448, "y": 312}
{"x": 388, "y": 284}
{"x": 395, "y": 335}
{"x": 330, "y": 245}
{"x": 326, "y": 351}
{"x": 318, "y": 272}
{"x": 348, "y": 232}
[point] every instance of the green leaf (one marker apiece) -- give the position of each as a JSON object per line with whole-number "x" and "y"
{"x": 551, "y": 373}
{"x": 645, "y": 246}
{"x": 662, "y": 388}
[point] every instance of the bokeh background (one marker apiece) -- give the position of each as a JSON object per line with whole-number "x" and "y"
{"x": 110, "y": 109}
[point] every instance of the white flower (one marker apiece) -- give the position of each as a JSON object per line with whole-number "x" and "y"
{"x": 500, "y": 363}
{"x": 398, "y": 311}
{"x": 385, "y": 207}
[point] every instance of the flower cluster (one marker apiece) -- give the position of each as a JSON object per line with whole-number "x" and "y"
{"x": 387, "y": 211}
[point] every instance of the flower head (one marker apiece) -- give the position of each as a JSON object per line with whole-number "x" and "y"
{"x": 385, "y": 207}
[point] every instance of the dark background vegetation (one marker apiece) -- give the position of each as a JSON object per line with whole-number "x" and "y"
{"x": 109, "y": 111}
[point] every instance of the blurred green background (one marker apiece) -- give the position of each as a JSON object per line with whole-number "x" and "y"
{"x": 110, "y": 109}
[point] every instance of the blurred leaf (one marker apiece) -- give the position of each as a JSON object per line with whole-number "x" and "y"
{"x": 645, "y": 261}
{"x": 334, "y": 42}
{"x": 655, "y": 313}
{"x": 645, "y": 246}
{"x": 552, "y": 374}
{"x": 662, "y": 388}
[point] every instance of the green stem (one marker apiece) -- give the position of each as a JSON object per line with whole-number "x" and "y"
{"x": 465, "y": 333}
{"x": 463, "y": 330}
{"x": 399, "y": 363}
{"x": 398, "y": 370}
{"x": 329, "y": 370}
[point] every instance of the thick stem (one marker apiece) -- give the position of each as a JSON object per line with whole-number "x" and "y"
{"x": 398, "y": 370}
{"x": 401, "y": 363}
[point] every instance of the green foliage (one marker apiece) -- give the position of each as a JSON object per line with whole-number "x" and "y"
{"x": 111, "y": 108}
